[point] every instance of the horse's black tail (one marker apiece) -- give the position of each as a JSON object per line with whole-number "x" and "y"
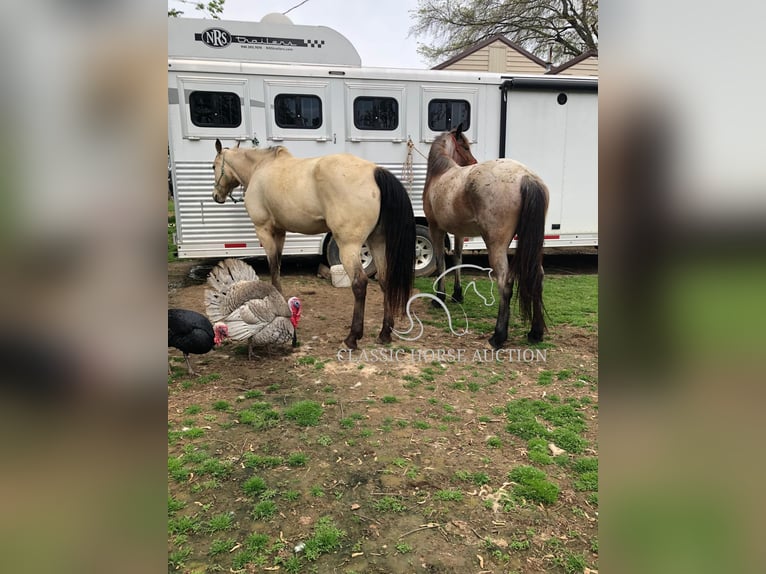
{"x": 526, "y": 265}
{"x": 398, "y": 223}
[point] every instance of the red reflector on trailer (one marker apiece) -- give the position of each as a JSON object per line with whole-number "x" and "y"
{"x": 234, "y": 245}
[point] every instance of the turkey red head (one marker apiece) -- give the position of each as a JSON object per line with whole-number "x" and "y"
{"x": 220, "y": 332}
{"x": 295, "y": 308}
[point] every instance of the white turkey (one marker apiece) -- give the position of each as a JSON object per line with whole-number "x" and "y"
{"x": 251, "y": 310}
{"x": 191, "y": 332}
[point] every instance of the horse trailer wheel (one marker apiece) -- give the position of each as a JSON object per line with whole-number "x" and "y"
{"x": 333, "y": 257}
{"x": 425, "y": 263}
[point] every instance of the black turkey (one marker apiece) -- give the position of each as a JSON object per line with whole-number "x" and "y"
{"x": 191, "y": 332}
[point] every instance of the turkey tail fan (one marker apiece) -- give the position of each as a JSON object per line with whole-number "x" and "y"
{"x": 221, "y": 279}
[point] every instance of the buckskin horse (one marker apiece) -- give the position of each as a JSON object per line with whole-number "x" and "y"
{"x": 351, "y": 197}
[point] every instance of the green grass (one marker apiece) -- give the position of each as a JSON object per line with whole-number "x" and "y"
{"x": 532, "y": 484}
{"x": 254, "y": 485}
{"x": 494, "y": 442}
{"x": 569, "y": 300}
{"x": 221, "y": 546}
{"x": 252, "y": 460}
{"x": 389, "y": 504}
{"x": 327, "y": 537}
{"x": 388, "y": 399}
{"x": 297, "y": 459}
{"x": 448, "y": 495}
{"x": 305, "y": 413}
{"x": 219, "y": 523}
{"x": 264, "y": 510}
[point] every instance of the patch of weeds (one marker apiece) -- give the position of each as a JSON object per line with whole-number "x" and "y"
{"x": 221, "y": 406}
{"x": 412, "y": 381}
{"x": 176, "y": 469}
{"x": 204, "y": 379}
{"x": 592, "y": 499}
{"x": 253, "y": 394}
{"x": 184, "y": 525}
{"x": 177, "y": 558}
{"x": 421, "y": 425}
{"x": 219, "y": 546}
{"x": 219, "y": 523}
{"x": 291, "y": 495}
{"x": 252, "y": 460}
{"x": 520, "y": 545}
{"x": 587, "y": 481}
{"x": 365, "y": 433}
{"x": 297, "y": 459}
{"x": 264, "y": 510}
{"x": 254, "y": 485}
{"x": 305, "y": 413}
{"x": 193, "y": 410}
{"x": 478, "y": 478}
{"x": 537, "y": 451}
{"x": 531, "y": 484}
{"x": 402, "y": 423}
{"x": 324, "y": 440}
{"x": 594, "y": 546}
{"x": 346, "y": 423}
{"x": 571, "y": 563}
{"x": 545, "y": 378}
{"x": 327, "y": 537}
{"x": 585, "y": 464}
{"x": 403, "y": 548}
{"x": 257, "y": 542}
{"x": 389, "y": 504}
{"x": 474, "y": 387}
{"x": 215, "y": 467}
{"x": 259, "y": 416}
{"x": 174, "y": 505}
{"x": 412, "y": 473}
{"x": 268, "y": 494}
{"x": 309, "y": 360}
{"x": 316, "y": 491}
{"x": 292, "y": 565}
{"x": 494, "y": 442}
{"x": 194, "y": 432}
{"x": 388, "y": 399}
{"x": 448, "y": 495}
{"x": 458, "y": 386}
{"x": 484, "y": 419}
{"x": 569, "y": 440}
{"x": 563, "y": 374}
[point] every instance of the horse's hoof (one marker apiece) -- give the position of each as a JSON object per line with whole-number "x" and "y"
{"x": 457, "y": 298}
{"x": 496, "y": 343}
{"x": 533, "y": 337}
{"x": 384, "y": 339}
{"x": 350, "y": 343}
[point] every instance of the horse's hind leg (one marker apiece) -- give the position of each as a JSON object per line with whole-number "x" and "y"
{"x": 457, "y": 292}
{"x": 273, "y": 241}
{"x": 352, "y": 264}
{"x": 377, "y": 245}
{"x": 498, "y": 259}
{"x": 437, "y": 240}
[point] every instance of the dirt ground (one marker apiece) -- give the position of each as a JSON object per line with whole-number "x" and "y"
{"x": 366, "y": 448}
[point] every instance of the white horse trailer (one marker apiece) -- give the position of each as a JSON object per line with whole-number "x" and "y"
{"x": 274, "y": 83}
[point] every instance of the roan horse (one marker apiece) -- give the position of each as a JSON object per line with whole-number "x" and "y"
{"x": 496, "y": 199}
{"x": 352, "y": 198}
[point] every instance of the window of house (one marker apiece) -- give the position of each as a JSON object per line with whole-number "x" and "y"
{"x": 215, "y": 109}
{"x": 444, "y": 115}
{"x": 376, "y": 113}
{"x": 298, "y": 111}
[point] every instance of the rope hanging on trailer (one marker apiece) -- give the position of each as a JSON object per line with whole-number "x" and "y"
{"x": 407, "y": 173}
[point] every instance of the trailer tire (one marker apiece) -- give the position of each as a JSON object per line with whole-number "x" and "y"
{"x": 332, "y": 253}
{"x": 425, "y": 262}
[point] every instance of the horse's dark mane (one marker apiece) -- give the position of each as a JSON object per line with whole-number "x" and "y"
{"x": 440, "y": 156}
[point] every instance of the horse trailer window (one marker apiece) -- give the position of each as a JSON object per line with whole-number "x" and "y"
{"x": 444, "y": 115}
{"x": 371, "y": 113}
{"x": 215, "y": 109}
{"x": 298, "y": 111}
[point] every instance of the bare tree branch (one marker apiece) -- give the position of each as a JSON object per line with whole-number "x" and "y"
{"x": 566, "y": 27}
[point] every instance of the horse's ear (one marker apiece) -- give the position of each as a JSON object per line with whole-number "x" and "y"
{"x": 238, "y": 142}
{"x": 459, "y": 129}
{"x": 218, "y": 146}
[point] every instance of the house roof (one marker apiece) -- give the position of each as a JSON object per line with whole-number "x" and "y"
{"x": 573, "y": 61}
{"x": 486, "y": 42}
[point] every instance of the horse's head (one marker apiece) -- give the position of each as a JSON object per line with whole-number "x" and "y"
{"x": 461, "y": 151}
{"x": 225, "y": 178}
